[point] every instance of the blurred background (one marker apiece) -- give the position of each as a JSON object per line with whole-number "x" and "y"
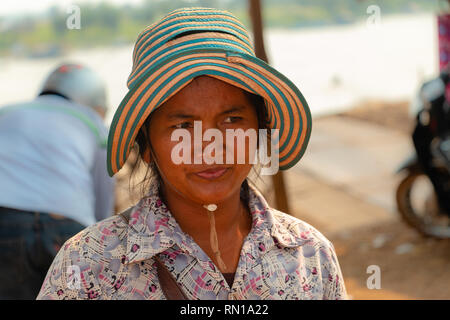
{"x": 359, "y": 65}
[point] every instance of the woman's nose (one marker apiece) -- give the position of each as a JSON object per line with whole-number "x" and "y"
{"x": 208, "y": 141}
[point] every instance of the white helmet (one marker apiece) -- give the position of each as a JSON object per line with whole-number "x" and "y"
{"x": 77, "y": 83}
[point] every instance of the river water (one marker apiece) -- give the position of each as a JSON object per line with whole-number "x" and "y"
{"x": 334, "y": 67}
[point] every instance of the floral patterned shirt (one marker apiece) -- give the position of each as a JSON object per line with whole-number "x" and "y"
{"x": 281, "y": 258}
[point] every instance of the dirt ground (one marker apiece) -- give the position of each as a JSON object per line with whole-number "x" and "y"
{"x": 390, "y": 114}
{"x": 411, "y": 266}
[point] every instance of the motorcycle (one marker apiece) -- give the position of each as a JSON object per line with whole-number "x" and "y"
{"x": 423, "y": 195}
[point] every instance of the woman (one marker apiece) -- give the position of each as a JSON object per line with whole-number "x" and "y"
{"x": 195, "y": 75}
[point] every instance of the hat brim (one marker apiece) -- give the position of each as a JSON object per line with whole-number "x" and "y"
{"x": 288, "y": 110}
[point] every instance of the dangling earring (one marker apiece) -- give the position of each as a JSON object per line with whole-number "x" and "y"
{"x": 213, "y": 235}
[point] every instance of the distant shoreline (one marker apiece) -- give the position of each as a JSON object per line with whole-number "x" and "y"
{"x": 48, "y": 36}
{"x": 334, "y": 68}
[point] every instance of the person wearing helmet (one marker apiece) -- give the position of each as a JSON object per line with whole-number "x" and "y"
{"x": 53, "y": 175}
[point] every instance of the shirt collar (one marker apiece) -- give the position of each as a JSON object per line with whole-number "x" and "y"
{"x": 153, "y": 229}
{"x": 272, "y": 227}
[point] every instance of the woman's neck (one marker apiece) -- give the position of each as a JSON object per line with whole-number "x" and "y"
{"x": 193, "y": 217}
{"x": 232, "y": 222}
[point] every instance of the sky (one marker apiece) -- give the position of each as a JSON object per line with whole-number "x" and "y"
{"x": 36, "y": 6}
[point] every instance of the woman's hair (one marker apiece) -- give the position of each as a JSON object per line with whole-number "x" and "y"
{"x": 146, "y": 173}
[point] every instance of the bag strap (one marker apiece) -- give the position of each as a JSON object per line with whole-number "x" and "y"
{"x": 125, "y": 215}
{"x": 169, "y": 286}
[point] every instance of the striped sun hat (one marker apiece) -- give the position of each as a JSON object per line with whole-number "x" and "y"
{"x": 191, "y": 42}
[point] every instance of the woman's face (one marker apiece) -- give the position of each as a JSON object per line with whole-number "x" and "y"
{"x": 217, "y": 105}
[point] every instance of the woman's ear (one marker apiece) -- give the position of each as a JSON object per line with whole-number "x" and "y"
{"x": 146, "y": 155}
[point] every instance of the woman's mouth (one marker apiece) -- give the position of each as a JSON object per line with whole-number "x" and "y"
{"x": 212, "y": 173}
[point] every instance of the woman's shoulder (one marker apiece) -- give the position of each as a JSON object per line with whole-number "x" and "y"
{"x": 315, "y": 248}
{"x": 318, "y": 252}
{"x": 102, "y": 236}
{"x": 76, "y": 269}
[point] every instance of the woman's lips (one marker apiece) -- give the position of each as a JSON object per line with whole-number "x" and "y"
{"x": 213, "y": 173}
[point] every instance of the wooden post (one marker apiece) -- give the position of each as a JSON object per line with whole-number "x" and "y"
{"x": 281, "y": 201}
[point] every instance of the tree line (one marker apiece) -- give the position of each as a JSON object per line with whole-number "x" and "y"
{"x": 105, "y": 24}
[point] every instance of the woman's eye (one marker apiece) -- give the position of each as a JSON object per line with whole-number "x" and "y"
{"x": 183, "y": 125}
{"x": 232, "y": 119}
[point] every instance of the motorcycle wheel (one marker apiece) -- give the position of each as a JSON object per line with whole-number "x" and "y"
{"x": 429, "y": 222}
